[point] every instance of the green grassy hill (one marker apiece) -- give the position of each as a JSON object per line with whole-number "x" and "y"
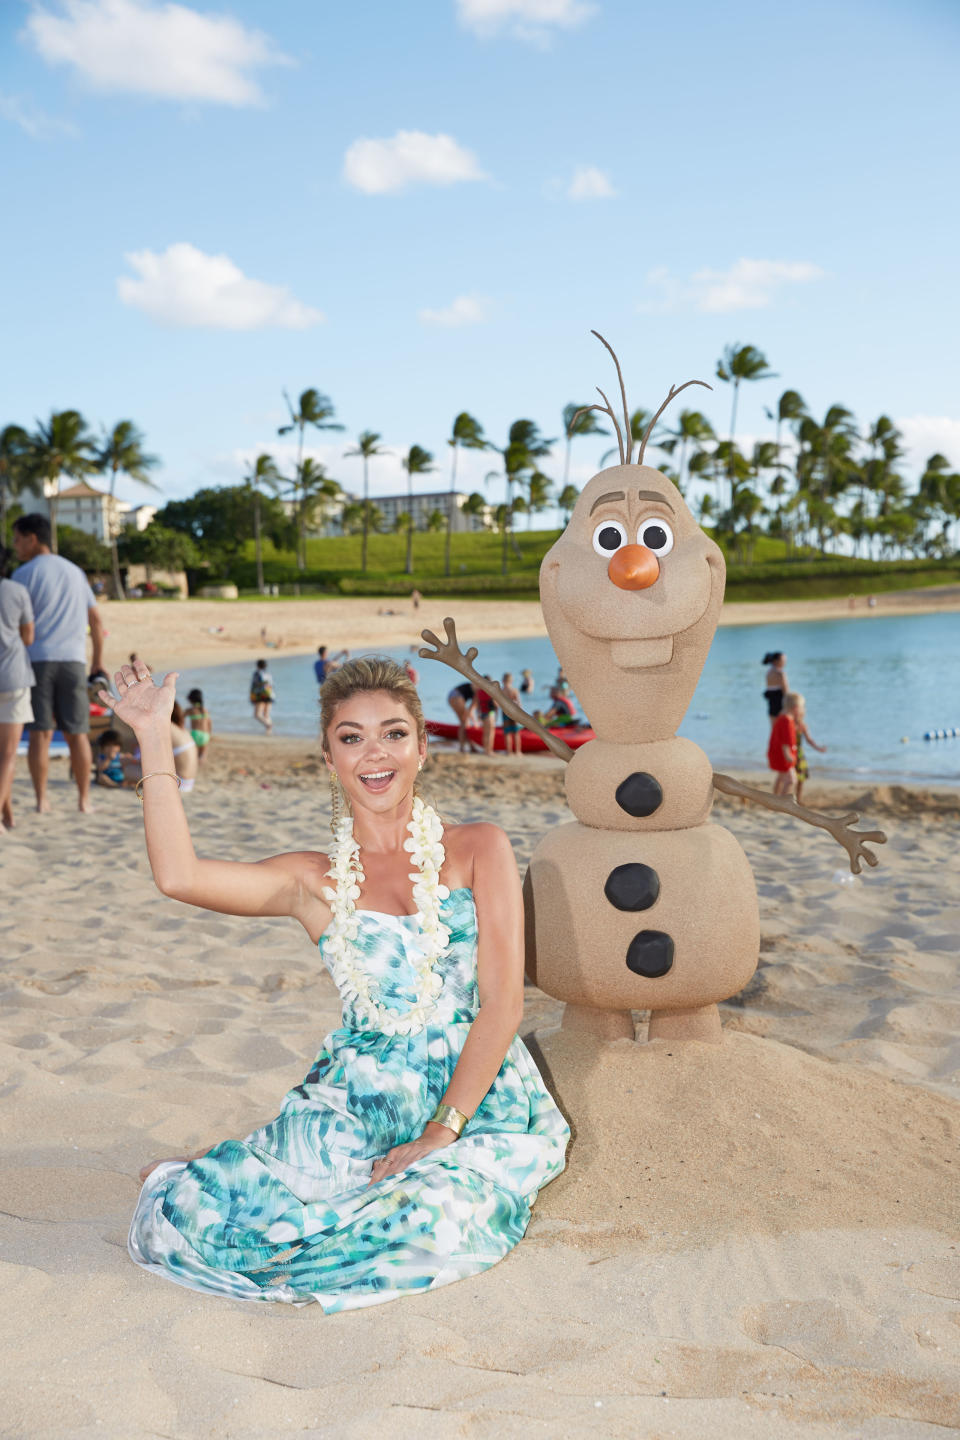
{"x": 333, "y": 565}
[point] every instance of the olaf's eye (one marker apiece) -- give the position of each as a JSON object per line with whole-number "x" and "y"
{"x": 657, "y": 536}
{"x": 609, "y": 536}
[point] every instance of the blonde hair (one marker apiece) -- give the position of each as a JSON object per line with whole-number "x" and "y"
{"x": 793, "y": 701}
{"x": 361, "y": 676}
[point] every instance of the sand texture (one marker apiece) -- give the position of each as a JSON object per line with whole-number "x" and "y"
{"x": 756, "y": 1241}
{"x": 191, "y": 633}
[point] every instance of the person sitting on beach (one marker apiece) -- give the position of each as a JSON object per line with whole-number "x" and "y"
{"x": 776, "y": 682}
{"x": 782, "y": 749}
{"x": 803, "y": 734}
{"x": 186, "y": 755}
{"x": 511, "y": 728}
{"x": 261, "y": 695}
{"x": 561, "y": 712}
{"x": 198, "y": 722}
{"x": 110, "y": 757}
{"x": 411, "y": 1153}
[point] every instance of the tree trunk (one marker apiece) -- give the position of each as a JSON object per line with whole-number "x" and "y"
{"x": 257, "y": 546}
{"x": 118, "y": 590}
{"x": 733, "y": 431}
{"x": 408, "y": 568}
{"x": 366, "y": 518}
{"x": 453, "y": 486}
{"x": 506, "y": 527}
{"x": 52, "y": 502}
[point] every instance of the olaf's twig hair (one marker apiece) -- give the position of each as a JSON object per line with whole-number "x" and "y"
{"x": 606, "y": 410}
{"x": 628, "y": 432}
{"x": 674, "y": 392}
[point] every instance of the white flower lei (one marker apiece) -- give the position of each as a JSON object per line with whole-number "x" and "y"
{"x": 426, "y": 848}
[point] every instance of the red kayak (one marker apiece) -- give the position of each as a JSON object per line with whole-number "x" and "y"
{"x": 572, "y": 735}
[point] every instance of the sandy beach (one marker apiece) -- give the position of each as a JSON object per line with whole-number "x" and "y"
{"x": 758, "y": 1239}
{"x": 192, "y": 633}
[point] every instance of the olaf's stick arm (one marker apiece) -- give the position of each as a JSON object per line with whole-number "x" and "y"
{"x": 838, "y": 826}
{"x": 448, "y": 651}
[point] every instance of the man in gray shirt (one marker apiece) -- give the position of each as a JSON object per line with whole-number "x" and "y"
{"x": 63, "y": 607}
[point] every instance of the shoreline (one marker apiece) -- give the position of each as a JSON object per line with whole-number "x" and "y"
{"x": 196, "y": 633}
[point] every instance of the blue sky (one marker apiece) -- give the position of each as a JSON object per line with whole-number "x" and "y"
{"x": 424, "y": 208}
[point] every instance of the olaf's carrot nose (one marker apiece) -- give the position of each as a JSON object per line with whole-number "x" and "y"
{"x": 634, "y": 567}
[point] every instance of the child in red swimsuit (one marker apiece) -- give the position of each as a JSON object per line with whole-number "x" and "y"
{"x": 782, "y": 750}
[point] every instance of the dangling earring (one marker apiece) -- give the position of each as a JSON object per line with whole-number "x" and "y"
{"x": 416, "y": 783}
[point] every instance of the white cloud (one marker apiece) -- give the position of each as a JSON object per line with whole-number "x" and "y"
{"x": 589, "y": 183}
{"x": 464, "y": 310}
{"x": 526, "y": 19}
{"x": 185, "y": 287}
{"x": 382, "y": 167}
{"x": 147, "y": 48}
{"x": 33, "y": 121}
{"x": 746, "y": 285}
{"x": 926, "y": 435}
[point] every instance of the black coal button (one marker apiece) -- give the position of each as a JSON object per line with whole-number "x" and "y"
{"x": 650, "y": 954}
{"x": 640, "y": 794}
{"x": 632, "y": 887}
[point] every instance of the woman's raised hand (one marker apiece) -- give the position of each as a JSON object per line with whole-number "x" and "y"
{"x": 138, "y": 702}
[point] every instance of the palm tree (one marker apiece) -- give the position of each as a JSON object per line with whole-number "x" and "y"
{"x": 417, "y": 461}
{"x": 436, "y": 520}
{"x": 525, "y": 445}
{"x": 60, "y": 446}
{"x": 693, "y": 429}
{"x": 475, "y": 504}
{"x": 122, "y": 452}
{"x": 585, "y": 424}
{"x": 368, "y": 445}
{"x": 790, "y": 407}
{"x": 539, "y": 491}
{"x": 14, "y": 478}
{"x": 316, "y": 409}
{"x": 937, "y": 484}
{"x": 319, "y": 494}
{"x": 467, "y": 432}
{"x": 263, "y": 473}
{"x": 566, "y": 500}
{"x": 738, "y": 363}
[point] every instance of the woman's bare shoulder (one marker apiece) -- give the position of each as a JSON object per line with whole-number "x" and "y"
{"x": 480, "y": 841}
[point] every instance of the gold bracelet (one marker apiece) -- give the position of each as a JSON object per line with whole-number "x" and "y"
{"x": 139, "y": 785}
{"x": 450, "y": 1116}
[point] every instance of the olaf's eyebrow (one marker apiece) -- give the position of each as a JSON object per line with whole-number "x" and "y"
{"x": 655, "y": 495}
{"x": 602, "y": 499}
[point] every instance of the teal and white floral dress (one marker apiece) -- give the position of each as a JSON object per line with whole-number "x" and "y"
{"x": 288, "y": 1214}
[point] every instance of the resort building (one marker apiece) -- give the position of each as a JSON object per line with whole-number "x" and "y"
{"x": 85, "y": 508}
{"x": 390, "y": 506}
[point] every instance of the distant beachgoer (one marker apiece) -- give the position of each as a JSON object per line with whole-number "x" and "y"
{"x": 803, "y": 734}
{"x": 871, "y": 602}
{"x": 261, "y": 695}
{"x": 416, "y": 597}
{"x": 462, "y": 700}
{"x": 776, "y": 682}
{"x": 511, "y": 728}
{"x": 16, "y": 678}
{"x": 322, "y": 666}
{"x": 487, "y": 711}
{"x": 110, "y": 757}
{"x": 851, "y": 602}
{"x": 413, "y": 675}
{"x": 186, "y": 757}
{"x": 64, "y": 607}
{"x": 782, "y": 749}
{"x": 526, "y": 682}
{"x": 199, "y": 723}
{"x": 561, "y": 712}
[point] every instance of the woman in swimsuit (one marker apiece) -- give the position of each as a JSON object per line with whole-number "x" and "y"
{"x": 186, "y": 756}
{"x": 413, "y": 1150}
{"x": 462, "y": 701}
{"x": 199, "y": 723}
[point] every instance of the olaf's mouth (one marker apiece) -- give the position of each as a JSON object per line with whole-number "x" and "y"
{"x": 642, "y": 654}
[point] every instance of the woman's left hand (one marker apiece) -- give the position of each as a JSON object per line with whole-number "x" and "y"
{"x": 401, "y": 1157}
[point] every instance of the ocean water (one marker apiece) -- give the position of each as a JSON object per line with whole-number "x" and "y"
{"x": 873, "y": 686}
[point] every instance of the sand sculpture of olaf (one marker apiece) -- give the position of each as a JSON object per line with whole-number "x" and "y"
{"x": 641, "y": 903}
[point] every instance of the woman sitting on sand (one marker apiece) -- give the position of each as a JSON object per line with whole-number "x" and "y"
{"x": 413, "y": 1150}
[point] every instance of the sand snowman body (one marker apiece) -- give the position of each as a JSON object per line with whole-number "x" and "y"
{"x": 642, "y": 902}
